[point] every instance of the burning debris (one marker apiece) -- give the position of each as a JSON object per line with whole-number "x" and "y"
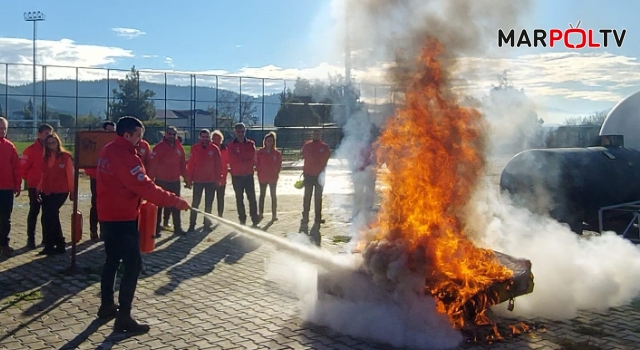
{"x": 434, "y": 151}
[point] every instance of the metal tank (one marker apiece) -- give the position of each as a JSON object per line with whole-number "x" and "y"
{"x": 572, "y": 184}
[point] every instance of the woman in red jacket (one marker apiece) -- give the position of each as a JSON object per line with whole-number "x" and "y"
{"x": 217, "y": 140}
{"x": 56, "y": 184}
{"x": 268, "y": 165}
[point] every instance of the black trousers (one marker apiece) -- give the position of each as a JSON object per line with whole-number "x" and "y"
{"x": 32, "y": 217}
{"x": 121, "y": 243}
{"x": 209, "y": 189}
{"x": 274, "y": 198}
{"x": 6, "y": 207}
{"x": 219, "y": 190}
{"x": 242, "y": 185}
{"x": 174, "y": 187}
{"x": 51, "y": 227}
{"x": 311, "y": 184}
{"x": 93, "y": 212}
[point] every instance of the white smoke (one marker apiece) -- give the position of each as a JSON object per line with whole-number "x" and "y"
{"x": 403, "y": 318}
{"x": 571, "y": 273}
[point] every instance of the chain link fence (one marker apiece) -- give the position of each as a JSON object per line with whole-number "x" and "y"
{"x": 77, "y": 98}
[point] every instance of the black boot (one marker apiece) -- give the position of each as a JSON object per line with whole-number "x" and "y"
{"x": 126, "y": 324}
{"x": 108, "y": 312}
{"x": 31, "y": 243}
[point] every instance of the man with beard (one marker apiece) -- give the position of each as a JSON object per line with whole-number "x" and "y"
{"x": 167, "y": 163}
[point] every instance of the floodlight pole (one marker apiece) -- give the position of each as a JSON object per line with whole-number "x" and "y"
{"x": 35, "y": 17}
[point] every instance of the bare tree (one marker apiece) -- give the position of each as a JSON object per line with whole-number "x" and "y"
{"x": 595, "y": 119}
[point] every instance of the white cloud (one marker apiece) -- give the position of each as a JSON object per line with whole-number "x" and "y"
{"x": 128, "y": 33}
{"x": 601, "y": 78}
{"x": 64, "y": 52}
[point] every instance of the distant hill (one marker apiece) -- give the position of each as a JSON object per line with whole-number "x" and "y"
{"x": 60, "y": 97}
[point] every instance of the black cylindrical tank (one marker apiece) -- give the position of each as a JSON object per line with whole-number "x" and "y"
{"x": 572, "y": 184}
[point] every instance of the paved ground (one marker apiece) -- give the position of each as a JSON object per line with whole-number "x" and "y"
{"x": 208, "y": 291}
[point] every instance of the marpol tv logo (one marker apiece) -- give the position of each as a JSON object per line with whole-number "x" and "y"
{"x": 571, "y": 38}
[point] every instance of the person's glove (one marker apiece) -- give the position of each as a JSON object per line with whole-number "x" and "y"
{"x": 183, "y": 204}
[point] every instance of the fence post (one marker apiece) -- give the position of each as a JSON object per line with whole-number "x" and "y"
{"x": 216, "y": 102}
{"x": 108, "y": 113}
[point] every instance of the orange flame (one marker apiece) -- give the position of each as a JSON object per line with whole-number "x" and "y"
{"x": 434, "y": 151}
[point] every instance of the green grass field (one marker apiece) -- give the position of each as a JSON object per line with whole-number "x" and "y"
{"x": 21, "y": 145}
{"x": 287, "y": 155}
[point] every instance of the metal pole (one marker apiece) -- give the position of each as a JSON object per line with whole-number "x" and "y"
{"x": 263, "y": 104}
{"x": 35, "y": 115}
{"x": 34, "y": 16}
{"x": 165, "y": 101}
{"x": 44, "y": 94}
{"x": 6, "y": 90}
{"x": 347, "y": 64}
{"x": 216, "y": 102}
{"x": 240, "y": 104}
{"x": 108, "y": 114}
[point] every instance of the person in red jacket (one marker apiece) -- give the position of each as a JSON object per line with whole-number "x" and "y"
{"x": 316, "y": 155}
{"x": 10, "y": 182}
{"x": 203, "y": 173}
{"x": 56, "y": 185}
{"x": 242, "y": 159}
{"x": 268, "y": 166}
{"x": 31, "y": 166}
{"x": 217, "y": 139}
{"x": 144, "y": 150}
{"x": 122, "y": 183}
{"x": 107, "y": 126}
{"x": 167, "y": 163}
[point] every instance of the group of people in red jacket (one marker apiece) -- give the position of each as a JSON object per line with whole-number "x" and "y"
{"x": 48, "y": 171}
{"x": 129, "y": 171}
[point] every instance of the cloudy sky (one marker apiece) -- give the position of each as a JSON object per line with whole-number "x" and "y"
{"x": 285, "y": 39}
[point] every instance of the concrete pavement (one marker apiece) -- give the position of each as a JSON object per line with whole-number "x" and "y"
{"x": 209, "y": 291}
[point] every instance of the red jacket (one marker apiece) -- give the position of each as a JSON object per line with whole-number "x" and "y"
{"x": 167, "y": 163}
{"x": 57, "y": 175}
{"x": 122, "y": 182}
{"x": 9, "y": 166}
{"x": 242, "y": 157}
{"x": 144, "y": 150}
{"x": 224, "y": 169}
{"x": 268, "y": 165}
{"x": 204, "y": 164}
{"x": 91, "y": 172}
{"x": 31, "y": 164}
{"x": 316, "y": 155}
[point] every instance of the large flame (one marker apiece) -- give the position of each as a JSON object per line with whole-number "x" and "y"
{"x": 434, "y": 151}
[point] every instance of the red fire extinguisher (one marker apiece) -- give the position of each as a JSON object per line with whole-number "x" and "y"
{"x": 76, "y": 226}
{"x": 147, "y": 226}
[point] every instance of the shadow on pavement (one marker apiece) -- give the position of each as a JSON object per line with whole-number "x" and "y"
{"x": 230, "y": 248}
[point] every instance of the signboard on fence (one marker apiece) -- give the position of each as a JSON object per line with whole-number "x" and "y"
{"x": 88, "y": 145}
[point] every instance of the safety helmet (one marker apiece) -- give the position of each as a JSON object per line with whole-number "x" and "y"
{"x": 299, "y": 184}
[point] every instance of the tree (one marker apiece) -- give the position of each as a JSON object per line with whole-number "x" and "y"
{"x": 296, "y": 113}
{"x": 513, "y": 121}
{"x": 27, "y": 110}
{"x": 594, "y": 119}
{"x": 67, "y": 120}
{"x": 313, "y": 103}
{"x": 129, "y": 99}
{"x": 89, "y": 120}
{"x": 235, "y": 107}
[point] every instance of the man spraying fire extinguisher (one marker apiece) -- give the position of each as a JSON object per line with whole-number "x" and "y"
{"x": 121, "y": 184}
